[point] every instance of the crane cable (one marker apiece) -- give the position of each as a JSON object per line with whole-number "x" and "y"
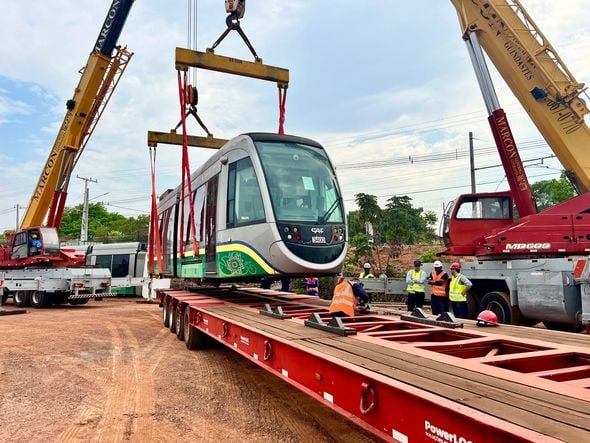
{"x": 183, "y": 90}
{"x": 154, "y": 225}
{"x": 282, "y": 102}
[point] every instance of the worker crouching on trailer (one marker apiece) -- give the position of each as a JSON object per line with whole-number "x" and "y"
{"x": 347, "y": 295}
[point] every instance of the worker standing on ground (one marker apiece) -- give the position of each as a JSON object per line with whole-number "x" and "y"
{"x": 415, "y": 278}
{"x": 347, "y": 295}
{"x": 438, "y": 280}
{"x": 366, "y": 271}
{"x": 312, "y": 285}
{"x": 458, "y": 291}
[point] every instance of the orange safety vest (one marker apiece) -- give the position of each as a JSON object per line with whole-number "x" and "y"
{"x": 438, "y": 291}
{"x": 343, "y": 299}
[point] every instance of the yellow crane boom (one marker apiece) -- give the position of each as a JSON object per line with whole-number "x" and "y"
{"x": 537, "y": 77}
{"x": 100, "y": 76}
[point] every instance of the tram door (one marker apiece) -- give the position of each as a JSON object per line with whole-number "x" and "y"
{"x": 211, "y": 227}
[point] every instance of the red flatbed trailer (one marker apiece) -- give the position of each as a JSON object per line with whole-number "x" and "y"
{"x": 402, "y": 380}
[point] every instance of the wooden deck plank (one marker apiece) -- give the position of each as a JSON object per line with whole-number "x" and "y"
{"x": 566, "y": 424}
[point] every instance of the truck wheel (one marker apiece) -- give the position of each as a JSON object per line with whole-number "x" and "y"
{"x": 21, "y": 298}
{"x": 180, "y": 325}
{"x": 39, "y": 299}
{"x": 79, "y": 301}
{"x": 165, "y": 314}
{"x": 564, "y": 327}
{"x": 497, "y": 302}
{"x": 193, "y": 338}
{"x": 4, "y": 298}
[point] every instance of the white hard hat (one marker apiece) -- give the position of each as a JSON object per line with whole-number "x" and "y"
{"x": 367, "y": 266}
{"x": 437, "y": 264}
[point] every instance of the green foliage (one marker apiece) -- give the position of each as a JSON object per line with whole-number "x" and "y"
{"x": 429, "y": 257}
{"x": 103, "y": 225}
{"x": 550, "y": 192}
{"x": 398, "y": 224}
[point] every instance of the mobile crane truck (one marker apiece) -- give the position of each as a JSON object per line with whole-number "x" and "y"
{"x": 34, "y": 269}
{"x": 531, "y": 266}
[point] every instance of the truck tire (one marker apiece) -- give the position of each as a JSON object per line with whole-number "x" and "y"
{"x": 193, "y": 338}
{"x": 4, "y": 297}
{"x": 79, "y": 301}
{"x": 497, "y": 302}
{"x": 39, "y": 299}
{"x": 564, "y": 327}
{"x": 165, "y": 314}
{"x": 179, "y": 326}
{"x": 21, "y": 298}
{"x": 172, "y": 318}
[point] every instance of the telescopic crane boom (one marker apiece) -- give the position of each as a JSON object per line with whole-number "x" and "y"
{"x": 100, "y": 76}
{"x": 536, "y": 75}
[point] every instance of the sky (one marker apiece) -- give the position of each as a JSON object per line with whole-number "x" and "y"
{"x": 385, "y": 87}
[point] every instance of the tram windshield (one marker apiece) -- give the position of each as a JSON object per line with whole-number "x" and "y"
{"x": 301, "y": 182}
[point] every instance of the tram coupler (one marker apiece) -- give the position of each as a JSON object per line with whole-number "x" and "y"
{"x": 445, "y": 320}
{"x": 277, "y": 312}
{"x": 335, "y": 325}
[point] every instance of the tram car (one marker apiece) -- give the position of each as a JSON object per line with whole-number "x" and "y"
{"x": 265, "y": 205}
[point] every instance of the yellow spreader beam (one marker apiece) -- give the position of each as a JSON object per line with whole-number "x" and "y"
{"x": 171, "y": 138}
{"x": 186, "y": 58}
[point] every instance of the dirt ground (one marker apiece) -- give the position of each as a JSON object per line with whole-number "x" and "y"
{"x": 109, "y": 371}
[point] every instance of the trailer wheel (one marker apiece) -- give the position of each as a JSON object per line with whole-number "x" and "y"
{"x": 180, "y": 325}
{"x": 165, "y": 314}
{"x": 172, "y": 318}
{"x": 193, "y": 338}
{"x": 497, "y": 302}
{"x": 39, "y": 299}
{"x": 21, "y": 298}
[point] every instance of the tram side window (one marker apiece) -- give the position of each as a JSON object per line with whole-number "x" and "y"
{"x": 199, "y": 211}
{"x": 120, "y": 265}
{"x": 104, "y": 261}
{"x": 170, "y": 234}
{"x": 244, "y": 200}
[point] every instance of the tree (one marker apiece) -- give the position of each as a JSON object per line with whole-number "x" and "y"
{"x": 397, "y": 225}
{"x": 550, "y": 192}
{"x": 103, "y": 225}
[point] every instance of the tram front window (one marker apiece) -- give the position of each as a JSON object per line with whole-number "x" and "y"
{"x": 301, "y": 182}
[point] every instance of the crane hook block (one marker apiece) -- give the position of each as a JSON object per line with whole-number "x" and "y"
{"x": 236, "y": 8}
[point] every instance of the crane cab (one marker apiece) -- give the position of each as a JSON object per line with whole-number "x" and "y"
{"x": 472, "y": 216}
{"x": 34, "y": 242}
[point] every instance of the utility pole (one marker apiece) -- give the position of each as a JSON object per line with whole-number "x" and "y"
{"x": 472, "y": 162}
{"x": 84, "y": 226}
{"x": 17, "y": 206}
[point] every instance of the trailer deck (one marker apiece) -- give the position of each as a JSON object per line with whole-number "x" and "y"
{"x": 404, "y": 380}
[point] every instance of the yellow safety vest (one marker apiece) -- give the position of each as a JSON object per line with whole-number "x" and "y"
{"x": 416, "y": 287}
{"x": 456, "y": 289}
{"x": 369, "y": 275}
{"x": 343, "y": 299}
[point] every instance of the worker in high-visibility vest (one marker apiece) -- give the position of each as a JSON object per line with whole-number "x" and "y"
{"x": 458, "y": 288}
{"x": 416, "y": 278}
{"x": 366, "y": 271}
{"x": 438, "y": 280}
{"x": 312, "y": 285}
{"x": 347, "y": 295}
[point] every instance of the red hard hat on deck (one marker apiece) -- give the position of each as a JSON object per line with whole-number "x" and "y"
{"x": 456, "y": 266}
{"x": 487, "y": 318}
